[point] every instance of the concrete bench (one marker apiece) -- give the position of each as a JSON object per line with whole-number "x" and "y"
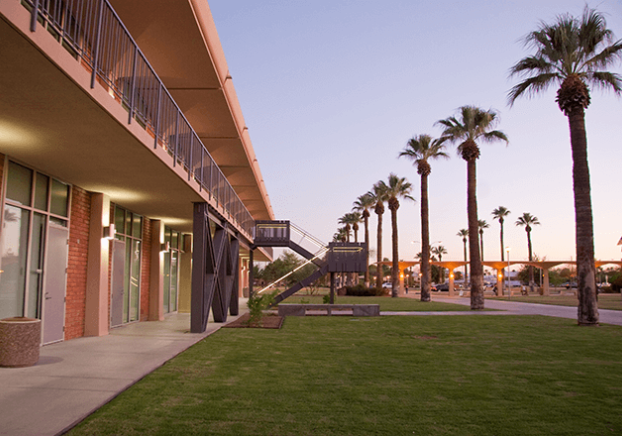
{"x": 301, "y": 309}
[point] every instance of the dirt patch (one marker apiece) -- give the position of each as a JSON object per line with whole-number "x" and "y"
{"x": 268, "y": 322}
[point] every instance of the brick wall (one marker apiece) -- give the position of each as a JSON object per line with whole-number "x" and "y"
{"x": 145, "y": 270}
{"x": 78, "y": 255}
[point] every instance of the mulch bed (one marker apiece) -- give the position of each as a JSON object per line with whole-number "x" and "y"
{"x": 268, "y": 322}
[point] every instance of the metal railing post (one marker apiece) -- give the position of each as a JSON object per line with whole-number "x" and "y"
{"x": 157, "y": 120}
{"x": 34, "y": 16}
{"x": 133, "y": 86}
{"x": 176, "y": 140}
{"x": 190, "y": 164}
{"x": 97, "y": 41}
{"x": 201, "y": 181}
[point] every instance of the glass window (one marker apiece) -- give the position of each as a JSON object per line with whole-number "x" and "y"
{"x": 58, "y": 221}
{"x": 137, "y": 227}
{"x": 135, "y": 282}
{"x": 60, "y": 198}
{"x": 41, "y": 192}
{"x": 13, "y": 249}
{"x": 119, "y": 220}
{"x": 36, "y": 265}
{"x": 128, "y": 223}
{"x": 174, "y": 240}
{"x": 19, "y": 186}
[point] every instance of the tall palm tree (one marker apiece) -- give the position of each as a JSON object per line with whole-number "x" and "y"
{"x": 499, "y": 214}
{"x": 471, "y": 125}
{"x": 439, "y": 251}
{"x": 398, "y": 187}
{"x": 344, "y": 220}
{"x": 351, "y": 220}
{"x": 340, "y": 235}
{"x": 362, "y": 205}
{"x": 379, "y": 195}
{"x": 464, "y": 234}
{"x": 420, "y": 149}
{"x": 528, "y": 220}
{"x": 573, "y": 53}
{"x": 481, "y": 225}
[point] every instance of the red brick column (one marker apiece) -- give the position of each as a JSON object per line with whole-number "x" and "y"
{"x": 77, "y": 262}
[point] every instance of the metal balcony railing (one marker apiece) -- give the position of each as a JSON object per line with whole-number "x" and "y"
{"x": 93, "y": 33}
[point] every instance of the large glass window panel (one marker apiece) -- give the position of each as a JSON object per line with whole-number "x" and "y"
{"x": 60, "y": 198}
{"x": 13, "y": 252}
{"x": 174, "y": 240}
{"x": 19, "y": 186}
{"x": 126, "y": 281}
{"x": 135, "y": 282}
{"x": 58, "y": 221}
{"x": 137, "y": 226}
{"x": 35, "y": 282}
{"x": 174, "y": 269}
{"x": 41, "y": 191}
{"x": 167, "y": 280}
{"x": 128, "y": 223}
{"x": 119, "y": 220}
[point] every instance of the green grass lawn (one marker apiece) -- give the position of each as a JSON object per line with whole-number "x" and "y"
{"x": 437, "y": 375}
{"x": 605, "y": 301}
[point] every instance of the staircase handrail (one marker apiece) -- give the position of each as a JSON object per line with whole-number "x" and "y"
{"x": 318, "y": 254}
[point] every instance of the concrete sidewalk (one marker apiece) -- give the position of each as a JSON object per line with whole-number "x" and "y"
{"x": 516, "y": 308}
{"x": 74, "y": 378}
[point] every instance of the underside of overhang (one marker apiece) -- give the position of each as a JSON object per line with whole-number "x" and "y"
{"x": 181, "y": 43}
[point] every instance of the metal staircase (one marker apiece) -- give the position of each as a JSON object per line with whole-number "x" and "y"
{"x": 331, "y": 258}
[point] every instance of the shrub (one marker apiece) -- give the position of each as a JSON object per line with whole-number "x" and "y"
{"x": 257, "y": 304}
{"x": 361, "y": 290}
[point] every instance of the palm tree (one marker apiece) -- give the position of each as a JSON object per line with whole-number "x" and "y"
{"x": 499, "y": 214}
{"x": 379, "y": 195}
{"x": 340, "y": 235}
{"x": 464, "y": 234}
{"x": 351, "y": 221}
{"x": 398, "y": 187}
{"x": 346, "y": 228}
{"x": 473, "y": 124}
{"x": 481, "y": 225}
{"x": 420, "y": 149}
{"x": 574, "y": 52}
{"x": 362, "y": 205}
{"x": 528, "y": 220}
{"x": 439, "y": 251}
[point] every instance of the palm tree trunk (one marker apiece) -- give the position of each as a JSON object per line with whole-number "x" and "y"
{"x": 367, "y": 250}
{"x": 502, "y": 256}
{"x": 531, "y": 280}
{"x": 477, "y": 275}
{"x": 425, "y": 241}
{"x": 586, "y": 271}
{"x": 465, "y": 259}
{"x": 395, "y": 270}
{"x": 379, "y": 254}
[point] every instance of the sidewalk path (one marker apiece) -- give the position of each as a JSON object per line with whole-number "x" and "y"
{"x": 516, "y": 308}
{"x": 74, "y": 378}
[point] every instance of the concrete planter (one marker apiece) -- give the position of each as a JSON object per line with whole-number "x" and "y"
{"x": 20, "y": 340}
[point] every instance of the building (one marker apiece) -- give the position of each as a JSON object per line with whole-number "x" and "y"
{"x": 128, "y": 180}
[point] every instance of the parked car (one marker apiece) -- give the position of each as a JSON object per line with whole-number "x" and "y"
{"x": 387, "y": 285}
{"x": 443, "y": 287}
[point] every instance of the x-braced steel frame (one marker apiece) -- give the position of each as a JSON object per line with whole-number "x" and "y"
{"x": 215, "y": 272}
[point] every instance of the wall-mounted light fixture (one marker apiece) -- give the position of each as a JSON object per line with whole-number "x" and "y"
{"x": 165, "y": 247}
{"x": 109, "y": 231}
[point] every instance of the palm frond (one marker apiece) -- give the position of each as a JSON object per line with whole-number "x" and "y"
{"x": 607, "y": 80}
{"x": 532, "y": 86}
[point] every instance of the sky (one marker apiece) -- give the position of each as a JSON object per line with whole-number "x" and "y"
{"x": 331, "y": 91}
